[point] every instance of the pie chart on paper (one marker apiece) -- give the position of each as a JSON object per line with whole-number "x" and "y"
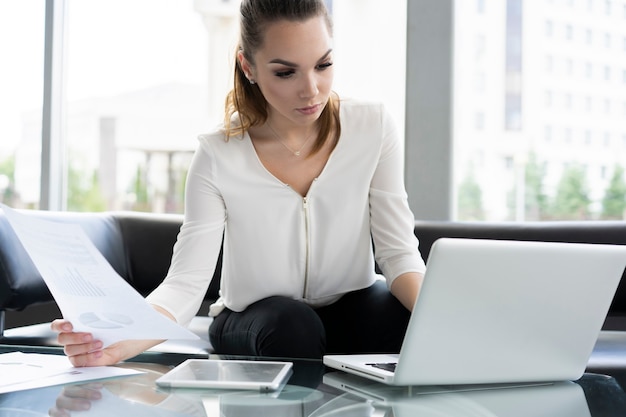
{"x": 105, "y": 320}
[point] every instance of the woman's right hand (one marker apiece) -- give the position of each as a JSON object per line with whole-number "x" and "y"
{"x": 76, "y": 398}
{"x": 82, "y": 349}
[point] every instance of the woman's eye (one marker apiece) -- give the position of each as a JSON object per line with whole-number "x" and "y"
{"x": 284, "y": 74}
{"x": 324, "y": 65}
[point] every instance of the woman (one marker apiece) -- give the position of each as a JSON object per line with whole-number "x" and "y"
{"x": 298, "y": 184}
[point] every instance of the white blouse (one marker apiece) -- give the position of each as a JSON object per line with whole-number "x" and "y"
{"x": 313, "y": 249}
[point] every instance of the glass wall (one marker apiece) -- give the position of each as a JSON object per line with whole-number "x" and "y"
{"x": 137, "y": 95}
{"x": 540, "y": 126}
{"x": 516, "y": 109}
{"x": 536, "y": 92}
{"x": 142, "y": 79}
{"x": 21, "y": 96}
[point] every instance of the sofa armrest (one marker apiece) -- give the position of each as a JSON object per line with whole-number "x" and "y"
{"x": 20, "y": 283}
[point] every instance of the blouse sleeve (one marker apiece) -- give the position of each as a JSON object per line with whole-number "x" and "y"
{"x": 392, "y": 222}
{"x": 198, "y": 245}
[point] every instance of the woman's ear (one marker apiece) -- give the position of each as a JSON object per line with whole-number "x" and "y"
{"x": 245, "y": 66}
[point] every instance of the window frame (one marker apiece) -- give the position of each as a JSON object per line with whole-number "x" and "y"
{"x": 52, "y": 180}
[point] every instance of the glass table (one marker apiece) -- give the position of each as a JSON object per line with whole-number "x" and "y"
{"x": 312, "y": 391}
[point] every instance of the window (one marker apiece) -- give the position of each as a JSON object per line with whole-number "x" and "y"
{"x": 480, "y": 46}
{"x": 549, "y": 63}
{"x": 568, "y": 136}
{"x": 569, "y": 66}
{"x": 588, "y": 70}
{"x": 479, "y": 120}
{"x": 21, "y": 84}
{"x": 480, "y": 6}
{"x": 480, "y": 83}
{"x": 548, "y": 98}
{"x": 547, "y": 133}
{"x": 549, "y": 28}
{"x": 136, "y": 99}
{"x": 568, "y": 102}
{"x": 514, "y": 75}
{"x": 569, "y": 32}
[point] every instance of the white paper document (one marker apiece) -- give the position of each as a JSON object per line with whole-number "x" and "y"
{"x": 20, "y": 371}
{"x": 88, "y": 291}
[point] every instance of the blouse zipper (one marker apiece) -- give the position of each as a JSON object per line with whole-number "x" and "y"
{"x": 305, "y": 209}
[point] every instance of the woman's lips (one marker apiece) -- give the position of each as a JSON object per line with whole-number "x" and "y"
{"x": 309, "y": 110}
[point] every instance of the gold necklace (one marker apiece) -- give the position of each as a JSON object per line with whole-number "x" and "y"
{"x": 296, "y": 153}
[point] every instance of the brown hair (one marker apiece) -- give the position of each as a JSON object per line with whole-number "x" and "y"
{"x": 245, "y": 98}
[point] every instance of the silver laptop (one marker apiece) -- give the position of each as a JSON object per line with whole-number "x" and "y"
{"x": 494, "y": 311}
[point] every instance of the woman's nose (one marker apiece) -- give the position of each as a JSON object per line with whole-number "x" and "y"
{"x": 309, "y": 87}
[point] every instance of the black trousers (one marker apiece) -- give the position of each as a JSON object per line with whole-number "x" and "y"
{"x": 370, "y": 320}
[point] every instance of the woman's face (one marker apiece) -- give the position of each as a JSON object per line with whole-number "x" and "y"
{"x": 294, "y": 71}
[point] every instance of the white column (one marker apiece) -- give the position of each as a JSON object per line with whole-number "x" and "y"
{"x": 221, "y": 21}
{"x": 429, "y": 108}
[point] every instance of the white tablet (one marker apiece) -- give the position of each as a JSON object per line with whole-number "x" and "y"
{"x": 227, "y": 374}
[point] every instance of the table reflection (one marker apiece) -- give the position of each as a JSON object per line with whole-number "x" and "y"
{"x": 510, "y": 400}
{"x": 339, "y": 394}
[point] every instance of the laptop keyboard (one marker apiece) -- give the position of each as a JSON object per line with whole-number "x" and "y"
{"x": 389, "y": 366}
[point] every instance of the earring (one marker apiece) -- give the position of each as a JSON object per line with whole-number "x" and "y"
{"x": 251, "y": 81}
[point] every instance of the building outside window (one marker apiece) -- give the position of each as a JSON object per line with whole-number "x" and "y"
{"x": 21, "y": 91}
{"x": 536, "y": 93}
{"x": 540, "y": 128}
{"x": 143, "y": 79}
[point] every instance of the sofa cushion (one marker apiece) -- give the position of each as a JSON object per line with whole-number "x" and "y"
{"x": 148, "y": 245}
{"x": 21, "y": 284}
{"x": 597, "y": 232}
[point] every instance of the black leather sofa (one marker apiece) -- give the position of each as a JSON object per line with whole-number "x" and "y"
{"x": 139, "y": 247}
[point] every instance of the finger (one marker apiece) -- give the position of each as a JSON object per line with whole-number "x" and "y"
{"x": 83, "y": 348}
{"x": 96, "y": 358}
{"x": 78, "y": 397}
{"x": 72, "y": 404}
{"x": 72, "y": 338}
{"x": 84, "y": 391}
{"x": 61, "y": 325}
{"x": 75, "y": 338}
